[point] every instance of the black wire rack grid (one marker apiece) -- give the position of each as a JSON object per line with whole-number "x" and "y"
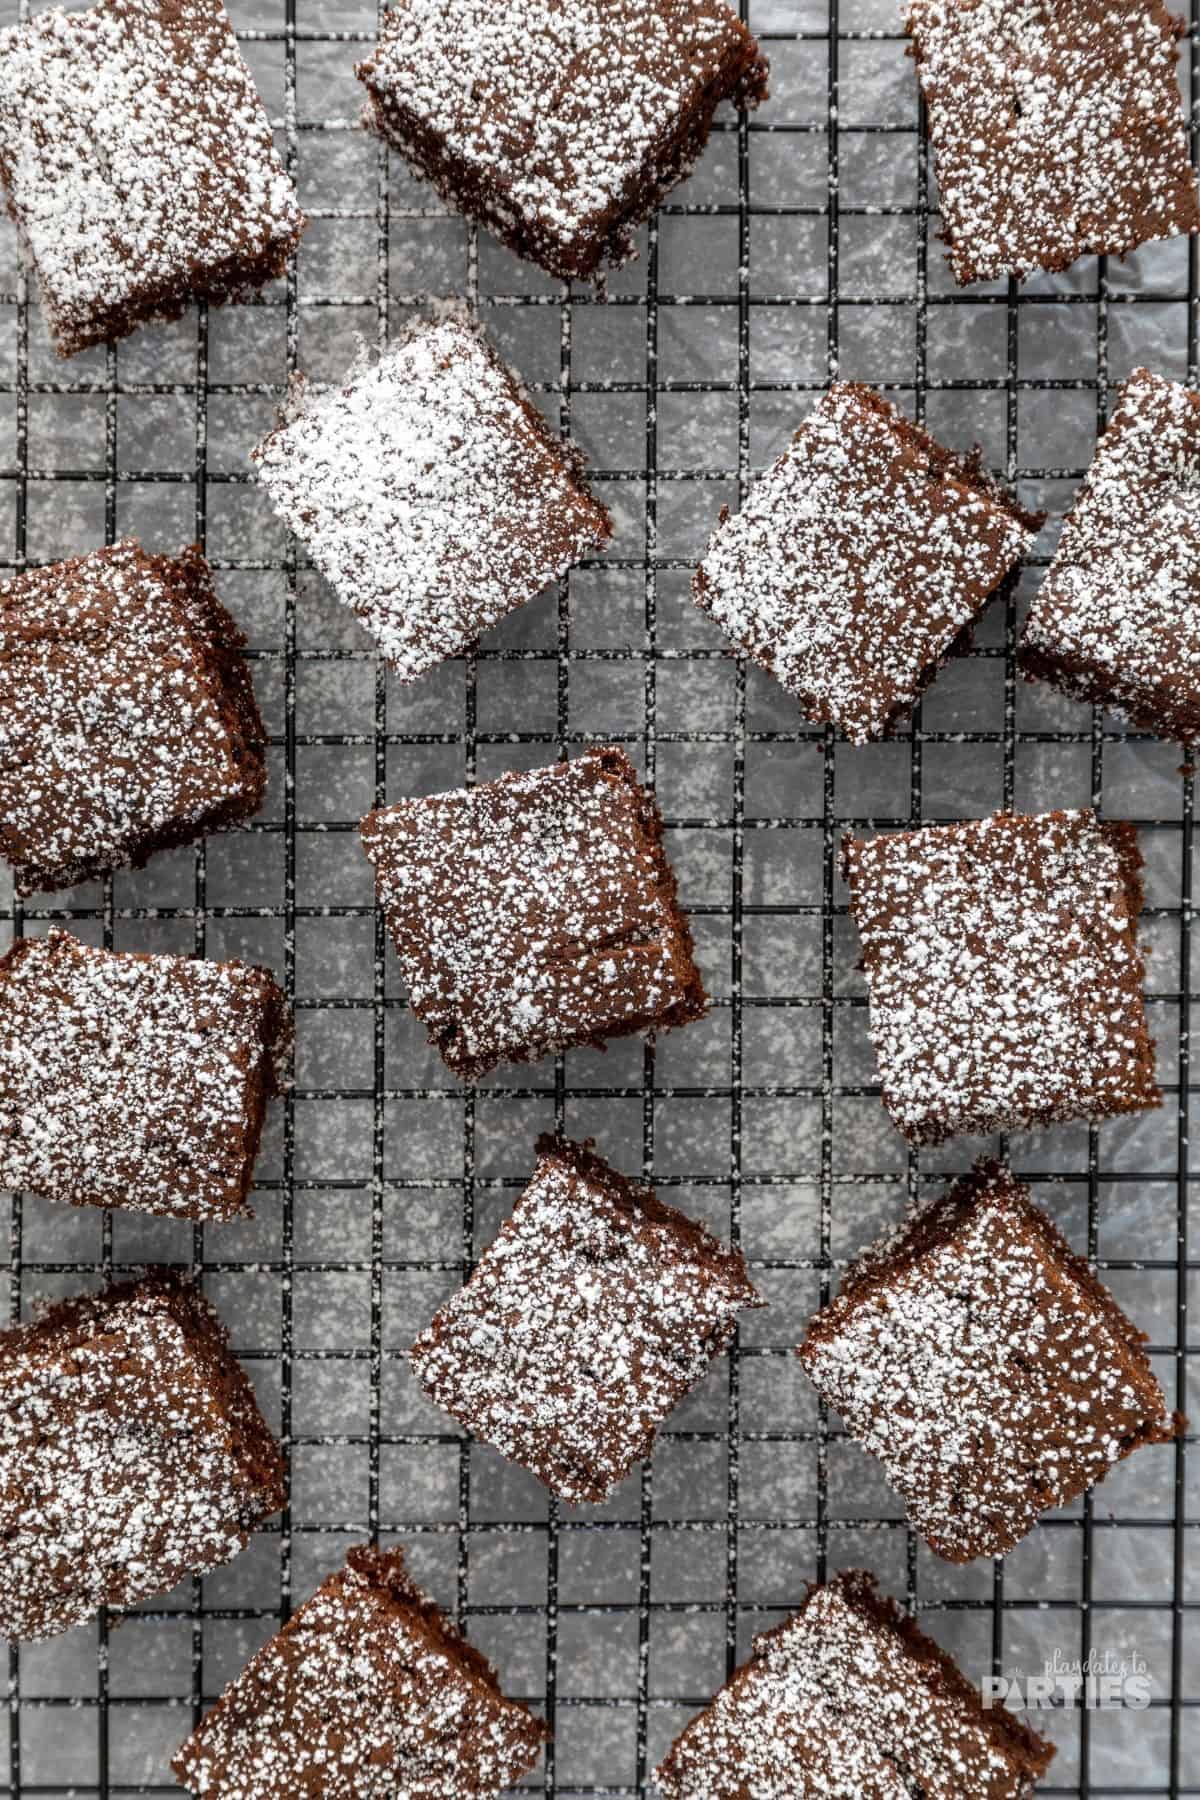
{"x": 805, "y": 247}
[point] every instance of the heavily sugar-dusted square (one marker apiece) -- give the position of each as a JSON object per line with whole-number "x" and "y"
{"x": 132, "y": 1453}
{"x": 535, "y": 912}
{"x": 430, "y": 493}
{"x": 368, "y": 1690}
{"x": 849, "y": 1700}
{"x": 128, "y": 722}
{"x": 1117, "y": 619}
{"x": 985, "y": 1366}
{"x": 136, "y": 1081}
{"x": 1057, "y": 129}
{"x": 1004, "y": 973}
{"x": 587, "y": 1320}
{"x": 139, "y": 164}
{"x": 860, "y": 561}
{"x": 560, "y": 124}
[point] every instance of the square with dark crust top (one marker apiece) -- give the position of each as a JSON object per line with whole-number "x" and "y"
{"x": 535, "y": 912}
{"x": 368, "y": 1690}
{"x": 1057, "y": 129}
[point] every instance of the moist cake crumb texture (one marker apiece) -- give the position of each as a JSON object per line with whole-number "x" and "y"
{"x": 859, "y": 561}
{"x": 561, "y": 124}
{"x": 1117, "y": 618}
{"x": 128, "y": 723}
{"x": 430, "y": 493}
{"x": 535, "y": 912}
{"x": 132, "y": 1453}
{"x": 985, "y": 1366}
{"x": 135, "y": 1081}
{"x": 593, "y": 1313}
{"x": 1056, "y": 127}
{"x": 139, "y": 163}
{"x": 848, "y": 1700}
{"x": 368, "y": 1693}
{"x": 1003, "y": 971}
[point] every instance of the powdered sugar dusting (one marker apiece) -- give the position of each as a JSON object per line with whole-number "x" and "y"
{"x": 589, "y": 1318}
{"x": 127, "y": 718}
{"x": 559, "y": 123}
{"x": 1117, "y": 619}
{"x": 430, "y": 494}
{"x": 1004, "y": 972}
{"x": 534, "y": 912}
{"x": 848, "y": 1700}
{"x": 858, "y": 561}
{"x": 367, "y": 1691}
{"x": 132, "y": 1453}
{"x": 135, "y": 1081}
{"x": 139, "y": 162}
{"x": 1057, "y": 129}
{"x": 985, "y": 1366}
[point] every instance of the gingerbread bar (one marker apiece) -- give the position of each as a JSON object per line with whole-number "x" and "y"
{"x": 139, "y": 163}
{"x": 1117, "y": 618}
{"x": 986, "y": 1366}
{"x": 127, "y": 719}
{"x": 535, "y": 912}
{"x": 859, "y": 564}
{"x": 136, "y": 1081}
{"x": 430, "y": 494}
{"x": 132, "y": 1453}
{"x": 559, "y": 124}
{"x": 367, "y": 1690}
{"x": 591, "y": 1316}
{"x": 849, "y": 1699}
{"x": 1056, "y": 127}
{"x": 1004, "y": 972}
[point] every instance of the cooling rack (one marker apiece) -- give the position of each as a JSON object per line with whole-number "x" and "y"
{"x": 804, "y": 247}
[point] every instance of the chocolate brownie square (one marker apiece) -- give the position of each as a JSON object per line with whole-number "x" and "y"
{"x": 535, "y": 912}
{"x": 132, "y": 1453}
{"x": 985, "y": 1366}
{"x": 430, "y": 493}
{"x": 368, "y": 1690}
{"x": 850, "y": 1699}
{"x": 559, "y": 124}
{"x": 1057, "y": 129}
{"x": 1117, "y": 618}
{"x": 591, "y": 1316}
{"x": 860, "y": 561}
{"x": 136, "y": 1081}
{"x": 1004, "y": 973}
{"x": 127, "y": 719}
{"x": 139, "y": 163}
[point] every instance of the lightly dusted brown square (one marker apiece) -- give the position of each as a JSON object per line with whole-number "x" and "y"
{"x": 1117, "y": 619}
{"x": 1003, "y": 972}
{"x": 368, "y": 1690}
{"x": 559, "y": 124}
{"x": 132, "y": 1453}
{"x": 535, "y": 912}
{"x": 128, "y": 722}
{"x": 430, "y": 492}
{"x": 849, "y": 1698}
{"x": 136, "y": 1081}
{"x": 140, "y": 165}
{"x": 860, "y": 562}
{"x": 985, "y": 1366}
{"x": 591, "y": 1316}
{"x": 1057, "y": 129}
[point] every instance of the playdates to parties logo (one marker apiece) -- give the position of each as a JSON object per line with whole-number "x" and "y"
{"x": 1099, "y": 1683}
